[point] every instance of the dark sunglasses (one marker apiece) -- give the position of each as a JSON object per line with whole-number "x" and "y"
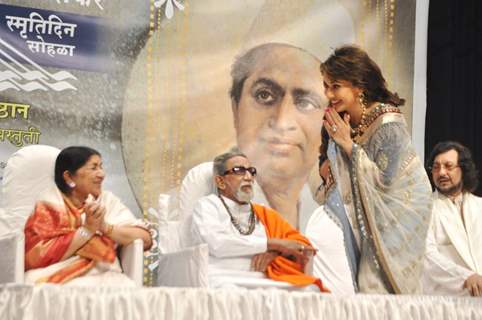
{"x": 241, "y": 171}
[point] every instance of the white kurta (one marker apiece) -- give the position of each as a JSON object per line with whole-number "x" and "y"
{"x": 228, "y": 249}
{"x": 330, "y": 263}
{"x": 230, "y": 252}
{"x": 454, "y": 251}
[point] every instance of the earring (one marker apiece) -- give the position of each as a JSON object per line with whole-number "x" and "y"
{"x": 71, "y": 184}
{"x": 358, "y": 131}
{"x": 361, "y": 99}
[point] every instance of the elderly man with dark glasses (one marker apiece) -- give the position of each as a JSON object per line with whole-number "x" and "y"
{"x": 247, "y": 240}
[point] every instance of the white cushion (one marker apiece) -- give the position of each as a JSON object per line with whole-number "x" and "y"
{"x": 330, "y": 263}
{"x": 197, "y": 183}
{"x": 29, "y": 171}
{"x": 5, "y": 226}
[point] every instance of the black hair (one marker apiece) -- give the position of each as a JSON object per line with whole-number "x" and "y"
{"x": 466, "y": 163}
{"x": 352, "y": 64}
{"x": 71, "y": 159}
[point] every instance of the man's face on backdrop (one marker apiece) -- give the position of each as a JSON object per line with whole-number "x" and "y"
{"x": 279, "y": 116}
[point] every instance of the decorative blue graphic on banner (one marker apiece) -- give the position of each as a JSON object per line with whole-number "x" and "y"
{"x": 53, "y": 39}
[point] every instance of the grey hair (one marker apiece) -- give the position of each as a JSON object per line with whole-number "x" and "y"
{"x": 244, "y": 63}
{"x": 219, "y": 163}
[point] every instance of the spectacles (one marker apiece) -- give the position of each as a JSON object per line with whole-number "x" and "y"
{"x": 448, "y": 166}
{"x": 241, "y": 171}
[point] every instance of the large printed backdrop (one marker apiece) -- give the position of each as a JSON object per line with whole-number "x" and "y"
{"x": 177, "y": 110}
{"x": 146, "y": 82}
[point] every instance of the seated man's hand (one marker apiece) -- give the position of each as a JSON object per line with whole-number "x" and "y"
{"x": 261, "y": 261}
{"x": 474, "y": 284}
{"x": 291, "y": 248}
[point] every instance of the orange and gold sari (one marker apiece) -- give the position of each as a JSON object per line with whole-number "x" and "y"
{"x": 50, "y": 230}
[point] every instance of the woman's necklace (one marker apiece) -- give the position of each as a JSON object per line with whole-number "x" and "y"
{"x": 360, "y": 129}
{"x": 235, "y": 222}
{"x": 369, "y": 117}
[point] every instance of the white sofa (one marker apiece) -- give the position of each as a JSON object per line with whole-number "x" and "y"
{"x": 29, "y": 171}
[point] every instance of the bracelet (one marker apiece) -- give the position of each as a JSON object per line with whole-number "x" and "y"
{"x": 85, "y": 233}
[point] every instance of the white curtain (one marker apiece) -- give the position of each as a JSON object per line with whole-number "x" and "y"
{"x": 62, "y": 302}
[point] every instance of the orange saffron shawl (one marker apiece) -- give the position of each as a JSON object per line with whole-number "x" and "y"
{"x": 281, "y": 268}
{"x": 48, "y": 234}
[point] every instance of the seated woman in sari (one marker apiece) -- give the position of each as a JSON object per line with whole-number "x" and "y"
{"x": 376, "y": 190}
{"x": 71, "y": 236}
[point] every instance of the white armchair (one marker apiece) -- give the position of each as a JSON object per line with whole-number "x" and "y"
{"x": 183, "y": 263}
{"x": 29, "y": 171}
{"x": 11, "y": 261}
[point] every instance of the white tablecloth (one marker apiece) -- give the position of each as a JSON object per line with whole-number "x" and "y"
{"x": 62, "y": 302}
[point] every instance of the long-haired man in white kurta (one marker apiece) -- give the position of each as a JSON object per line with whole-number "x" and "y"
{"x": 454, "y": 251}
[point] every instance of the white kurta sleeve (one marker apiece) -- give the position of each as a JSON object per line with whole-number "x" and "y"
{"x": 214, "y": 228}
{"x": 442, "y": 275}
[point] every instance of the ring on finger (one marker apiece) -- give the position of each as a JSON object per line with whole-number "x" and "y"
{"x": 334, "y": 128}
